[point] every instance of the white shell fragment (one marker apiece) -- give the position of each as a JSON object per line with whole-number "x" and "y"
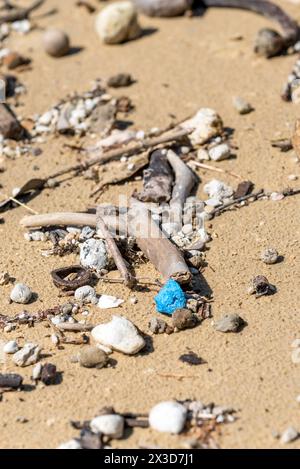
{"x": 21, "y": 294}
{"x": 111, "y": 425}
{"x": 289, "y": 435}
{"x": 220, "y": 152}
{"x": 117, "y": 23}
{"x": 205, "y": 124}
{"x": 119, "y": 334}
{"x": 107, "y": 302}
{"x": 11, "y": 347}
{"x": 86, "y": 294}
{"x": 168, "y": 417}
{"x": 28, "y": 355}
{"x": 93, "y": 254}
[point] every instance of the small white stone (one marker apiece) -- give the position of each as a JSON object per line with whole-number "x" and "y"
{"x": 187, "y": 229}
{"x": 205, "y": 124}
{"x": 46, "y": 118}
{"x": 168, "y": 417}
{"x": 213, "y": 202}
{"x": 86, "y": 294}
{"x": 119, "y": 334}
{"x": 93, "y": 254}
{"x": 21, "y": 294}
{"x": 202, "y": 155}
{"x": 117, "y": 23}
{"x": 289, "y": 435}
{"x": 241, "y": 105}
{"x": 28, "y": 355}
{"x": 292, "y": 177}
{"x": 11, "y": 347}
{"x": 8, "y": 328}
{"x": 111, "y": 425}
{"x": 217, "y": 189}
{"x": 170, "y": 228}
{"x": 71, "y": 444}
{"x": 36, "y": 371}
{"x": 220, "y": 152}
{"x": 107, "y": 302}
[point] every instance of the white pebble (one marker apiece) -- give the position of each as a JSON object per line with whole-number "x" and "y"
{"x": 28, "y": 355}
{"x": 111, "y": 425}
{"x": 205, "y": 124}
{"x": 213, "y": 202}
{"x": 21, "y": 294}
{"x": 117, "y": 23}
{"x": 107, "y": 302}
{"x": 86, "y": 294}
{"x": 71, "y": 444}
{"x": 202, "y": 155}
{"x": 220, "y": 152}
{"x": 168, "y": 417}
{"x": 217, "y": 189}
{"x": 11, "y": 347}
{"x": 289, "y": 435}
{"x": 36, "y": 371}
{"x": 119, "y": 334}
{"x": 93, "y": 254}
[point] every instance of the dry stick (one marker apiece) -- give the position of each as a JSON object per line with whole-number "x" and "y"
{"x": 185, "y": 180}
{"x": 163, "y": 254}
{"x": 19, "y": 14}
{"x": 128, "y": 150}
{"x": 16, "y": 201}
{"x": 128, "y": 279}
{"x": 218, "y": 170}
{"x": 223, "y": 207}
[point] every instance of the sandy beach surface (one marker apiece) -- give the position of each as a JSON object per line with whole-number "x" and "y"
{"x": 180, "y": 65}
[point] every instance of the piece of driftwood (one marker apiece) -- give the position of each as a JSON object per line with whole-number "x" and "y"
{"x": 76, "y": 327}
{"x": 18, "y": 14}
{"x": 163, "y": 254}
{"x": 129, "y": 280}
{"x": 185, "y": 180}
{"x": 9, "y": 125}
{"x": 157, "y": 180}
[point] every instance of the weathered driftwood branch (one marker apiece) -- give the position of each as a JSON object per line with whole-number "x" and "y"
{"x": 18, "y": 14}
{"x": 185, "y": 180}
{"x": 129, "y": 280}
{"x": 155, "y": 245}
{"x": 158, "y": 179}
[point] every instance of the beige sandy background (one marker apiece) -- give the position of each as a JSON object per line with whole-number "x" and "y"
{"x": 252, "y": 370}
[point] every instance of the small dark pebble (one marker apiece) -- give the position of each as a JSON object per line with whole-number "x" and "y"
{"x": 10, "y": 380}
{"x": 120, "y": 80}
{"x": 48, "y": 374}
{"x": 244, "y": 188}
{"x": 90, "y": 440}
{"x": 184, "y": 319}
{"x": 191, "y": 358}
{"x": 159, "y": 326}
{"x": 260, "y": 286}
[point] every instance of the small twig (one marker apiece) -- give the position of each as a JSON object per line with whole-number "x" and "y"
{"x": 217, "y": 170}
{"x": 19, "y": 14}
{"x": 129, "y": 280}
{"x": 221, "y": 208}
{"x": 76, "y": 327}
{"x": 16, "y": 201}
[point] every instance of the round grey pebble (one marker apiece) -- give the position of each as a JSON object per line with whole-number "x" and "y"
{"x": 21, "y": 294}
{"x": 92, "y": 357}
{"x": 269, "y": 256}
{"x": 229, "y": 323}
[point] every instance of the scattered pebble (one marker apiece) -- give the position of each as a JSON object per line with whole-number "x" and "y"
{"x": 120, "y": 334}
{"x": 269, "y": 256}
{"x": 218, "y": 190}
{"x": 56, "y": 42}
{"x": 191, "y": 358}
{"x": 21, "y": 294}
{"x": 11, "y": 347}
{"x": 206, "y": 124}
{"x": 159, "y": 326}
{"x": 111, "y": 425}
{"x": 289, "y": 435}
{"x": 107, "y": 302}
{"x": 170, "y": 298}
{"x": 92, "y": 357}
{"x": 36, "y": 372}
{"x": 220, "y": 152}
{"x": 48, "y": 374}
{"x": 86, "y": 295}
{"x": 229, "y": 323}
{"x": 242, "y": 106}
{"x": 71, "y": 444}
{"x": 93, "y": 254}
{"x": 28, "y": 355}
{"x": 4, "y": 278}
{"x": 118, "y": 23}
{"x": 168, "y": 417}
{"x": 120, "y": 80}
{"x": 184, "y": 319}
{"x": 260, "y": 286}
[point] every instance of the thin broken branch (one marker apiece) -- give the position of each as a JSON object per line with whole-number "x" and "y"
{"x": 217, "y": 170}
{"x": 18, "y": 14}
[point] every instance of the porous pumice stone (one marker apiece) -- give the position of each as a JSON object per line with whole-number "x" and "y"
{"x": 56, "y": 43}
{"x": 168, "y": 417}
{"x": 21, "y": 293}
{"x": 119, "y": 334}
{"x": 163, "y": 8}
{"x": 269, "y": 256}
{"x": 118, "y": 23}
{"x": 93, "y": 254}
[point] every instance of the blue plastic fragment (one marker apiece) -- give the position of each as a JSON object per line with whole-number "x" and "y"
{"x": 170, "y": 298}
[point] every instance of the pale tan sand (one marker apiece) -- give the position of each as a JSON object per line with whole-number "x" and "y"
{"x": 251, "y": 371}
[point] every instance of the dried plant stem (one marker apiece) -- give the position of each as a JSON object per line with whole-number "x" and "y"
{"x": 16, "y": 201}
{"x": 129, "y": 280}
{"x": 217, "y": 170}
{"x": 17, "y": 14}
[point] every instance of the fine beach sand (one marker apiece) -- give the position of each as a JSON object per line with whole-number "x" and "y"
{"x": 180, "y": 65}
